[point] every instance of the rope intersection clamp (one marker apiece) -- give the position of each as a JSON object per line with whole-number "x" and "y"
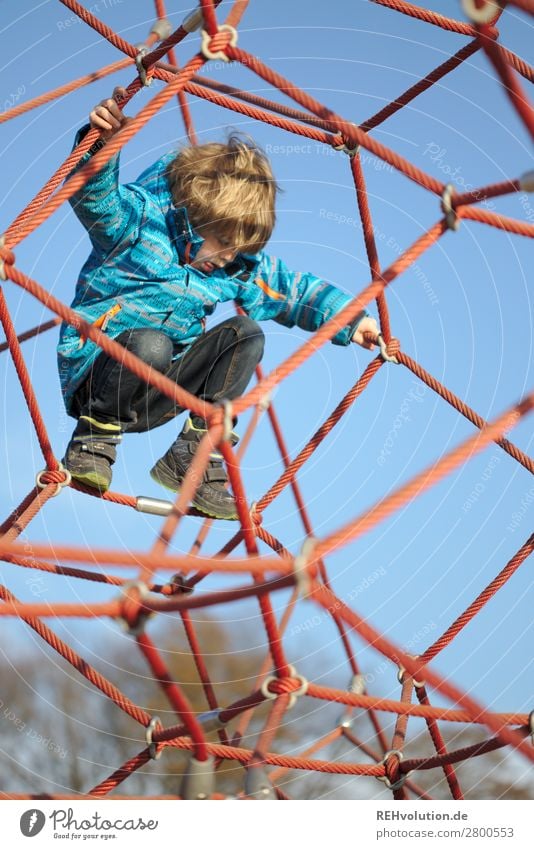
{"x": 402, "y": 671}
{"x": 302, "y": 690}
{"x": 210, "y": 720}
{"x": 300, "y": 567}
{"x": 142, "y": 50}
{"x": 482, "y": 15}
{"x": 384, "y": 351}
{"x": 153, "y": 751}
{"x": 393, "y": 785}
{"x": 257, "y": 784}
{"x": 218, "y": 54}
{"x": 59, "y": 486}
{"x": 531, "y": 726}
{"x": 143, "y": 591}
{"x": 451, "y": 216}
{"x": 228, "y": 419}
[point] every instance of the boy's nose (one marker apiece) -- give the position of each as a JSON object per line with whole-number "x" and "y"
{"x": 228, "y": 254}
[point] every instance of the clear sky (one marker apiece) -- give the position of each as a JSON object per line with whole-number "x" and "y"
{"x": 464, "y": 312}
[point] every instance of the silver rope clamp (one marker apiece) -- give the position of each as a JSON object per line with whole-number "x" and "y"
{"x": 402, "y": 672}
{"x": 300, "y": 567}
{"x": 302, "y": 690}
{"x": 218, "y": 54}
{"x": 393, "y": 785}
{"x": 526, "y": 183}
{"x": 531, "y": 726}
{"x": 356, "y": 686}
{"x": 350, "y": 151}
{"x": 199, "y": 780}
{"x": 451, "y": 216}
{"x": 384, "y": 351}
{"x": 161, "y": 28}
{"x": 152, "y": 726}
{"x": 483, "y": 15}
{"x": 228, "y": 419}
{"x": 257, "y": 784}
{"x": 193, "y": 21}
{"x": 143, "y": 591}
{"x": 210, "y": 720}
{"x": 142, "y": 50}
{"x": 59, "y": 486}
{"x": 153, "y": 506}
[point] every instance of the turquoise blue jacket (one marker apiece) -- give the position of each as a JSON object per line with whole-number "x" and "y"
{"x": 137, "y": 274}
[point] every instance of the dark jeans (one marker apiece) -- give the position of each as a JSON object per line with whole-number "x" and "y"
{"x": 217, "y": 366}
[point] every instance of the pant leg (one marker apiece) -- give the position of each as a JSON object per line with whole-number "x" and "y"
{"x": 111, "y": 392}
{"x": 218, "y": 365}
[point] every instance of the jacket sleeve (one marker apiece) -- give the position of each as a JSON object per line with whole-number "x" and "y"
{"x": 298, "y": 298}
{"x": 111, "y": 213}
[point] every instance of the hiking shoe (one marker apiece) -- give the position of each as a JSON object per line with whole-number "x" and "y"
{"x": 92, "y": 451}
{"x": 212, "y": 497}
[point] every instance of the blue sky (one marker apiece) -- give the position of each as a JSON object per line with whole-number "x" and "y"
{"x": 464, "y": 312}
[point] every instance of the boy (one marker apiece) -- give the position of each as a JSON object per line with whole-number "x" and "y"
{"x": 189, "y": 233}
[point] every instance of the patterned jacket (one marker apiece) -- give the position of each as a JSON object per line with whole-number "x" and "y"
{"x": 138, "y": 274}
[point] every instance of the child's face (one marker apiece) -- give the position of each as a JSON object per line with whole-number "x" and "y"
{"x": 213, "y": 253}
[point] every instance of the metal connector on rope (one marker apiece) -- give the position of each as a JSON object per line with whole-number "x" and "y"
{"x": 384, "y": 351}
{"x": 141, "y": 70}
{"x": 402, "y": 672}
{"x": 451, "y": 216}
{"x": 139, "y": 626}
{"x": 526, "y": 182}
{"x": 153, "y": 506}
{"x": 350, "y": 151}
{"x": 41, "y": 484}
{"x": 193, "y": 21}
{"x": 257, "y": 784}
{"x": 210, "y": 720}
{"x": 153, "y": 750}
{"x": 161, "y": 28}
{"x": 356, "y": 686}
{"x": 217, "y": 54}
{"x": 228, "y": 419}
{"x": 393, "y": 785}
{"x": 302, "y": 690}
{"x": 531, "y": 726}
{"x": 199, "y": 780}
{"x": 482, "y": 15}
{"x": 300, "y": 567}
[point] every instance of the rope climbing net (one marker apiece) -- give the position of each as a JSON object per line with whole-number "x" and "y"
{"x": 278, "y": 684}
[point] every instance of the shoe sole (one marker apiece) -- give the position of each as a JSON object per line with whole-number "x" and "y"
{"x": 161, "y": 474}
{"x": 92, "y": 480}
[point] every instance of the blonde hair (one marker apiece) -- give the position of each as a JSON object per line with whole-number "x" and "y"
{"x": 228, "y": 189}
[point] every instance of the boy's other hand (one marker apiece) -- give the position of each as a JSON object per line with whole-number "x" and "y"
{"x": 108, "y": 116}
{"x": 366, "y": 333}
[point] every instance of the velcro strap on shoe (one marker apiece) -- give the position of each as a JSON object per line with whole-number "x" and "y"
{"x": 217, "y": 473}
{"x": 101, "y": 449}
